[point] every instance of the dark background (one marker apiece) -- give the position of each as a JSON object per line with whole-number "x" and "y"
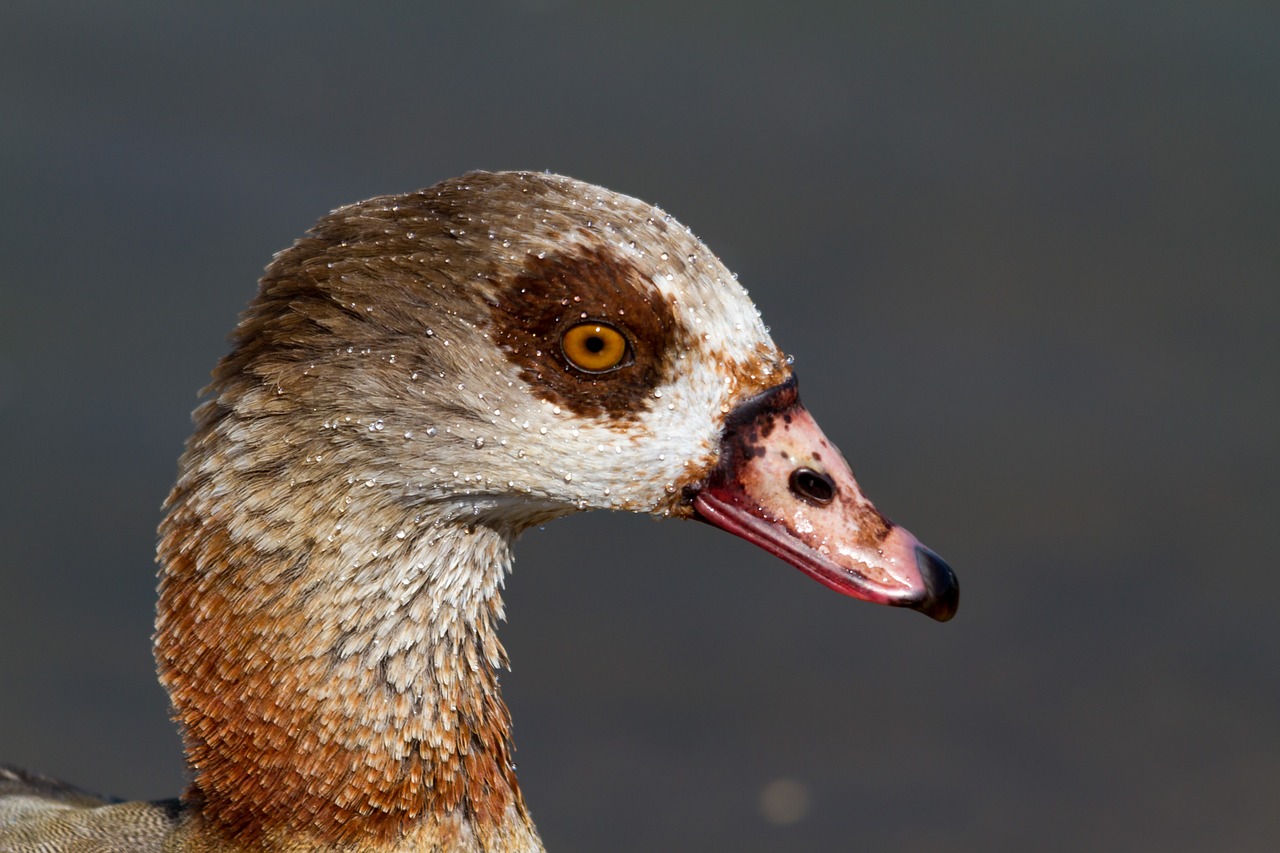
{"x": 1027, "y": 256}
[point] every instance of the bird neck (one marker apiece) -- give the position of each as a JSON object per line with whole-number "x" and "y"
{"x": 332, "y": 660}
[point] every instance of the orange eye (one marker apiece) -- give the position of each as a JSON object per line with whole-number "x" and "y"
{"x": 594, "y": 347}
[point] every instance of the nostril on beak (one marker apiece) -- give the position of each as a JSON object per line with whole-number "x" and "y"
{"x": 812, "y": 486}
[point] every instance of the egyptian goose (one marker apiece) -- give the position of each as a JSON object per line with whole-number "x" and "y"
{"x": 419, "y": 379}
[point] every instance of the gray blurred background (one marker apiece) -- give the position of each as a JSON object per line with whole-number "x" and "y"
{"x": 1027, "y": 257}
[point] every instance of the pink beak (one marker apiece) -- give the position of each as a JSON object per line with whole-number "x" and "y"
{"x": 781, "y": 485}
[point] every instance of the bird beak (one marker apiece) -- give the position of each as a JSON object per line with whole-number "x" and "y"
{"x": 781, "y": 485}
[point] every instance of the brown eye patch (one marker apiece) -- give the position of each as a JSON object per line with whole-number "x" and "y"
{"x": 541, "y": 308}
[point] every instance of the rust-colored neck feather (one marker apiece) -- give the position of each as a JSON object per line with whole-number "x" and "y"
{"x": 330, "y": 649}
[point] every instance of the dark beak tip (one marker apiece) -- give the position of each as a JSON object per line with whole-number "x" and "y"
{"x": 942, "y": 590}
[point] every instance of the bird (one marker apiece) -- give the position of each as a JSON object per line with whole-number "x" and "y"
{"x": 419, "y": 379}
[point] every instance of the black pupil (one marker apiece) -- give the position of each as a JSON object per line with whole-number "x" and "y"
{"x": 594, "y": 343}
